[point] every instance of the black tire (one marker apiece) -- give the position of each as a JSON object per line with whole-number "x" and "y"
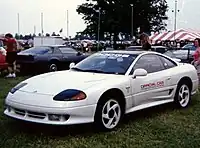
{"x": 53, "y": 66}
{"x": 101, "y": 108}
{"x": 183, "y": 101}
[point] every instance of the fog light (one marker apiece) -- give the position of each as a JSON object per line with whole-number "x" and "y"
{"x": 54, "y": 117}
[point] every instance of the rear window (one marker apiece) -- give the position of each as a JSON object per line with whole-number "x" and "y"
{"x": 67, "y": 50}
{"x": 38, "y": 50}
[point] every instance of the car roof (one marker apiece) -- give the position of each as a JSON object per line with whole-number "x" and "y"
{"x": 159, "y": 47}
{"x": 53, "y": 46}
{"x": 151, "y": 46}
{"x": 137, "y": 52}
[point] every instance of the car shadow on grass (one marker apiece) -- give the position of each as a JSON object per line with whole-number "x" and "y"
{"x": 84, "y": 129}
{"x": 18, "y": 127}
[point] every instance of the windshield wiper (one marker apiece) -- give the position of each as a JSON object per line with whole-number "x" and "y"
{"x": 92, "y": 70}
{"x": 95, "y": 71}
{"x": 77, "y": 69}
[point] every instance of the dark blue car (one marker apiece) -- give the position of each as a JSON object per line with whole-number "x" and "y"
{"x": 48, "y": 58}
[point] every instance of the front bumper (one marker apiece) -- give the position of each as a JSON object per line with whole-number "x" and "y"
{"x": 48, "y": 115}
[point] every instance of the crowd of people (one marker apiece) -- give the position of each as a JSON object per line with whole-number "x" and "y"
{"x": 10, "y": 51}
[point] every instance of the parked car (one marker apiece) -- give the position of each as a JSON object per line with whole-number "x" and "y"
{"x": 190, "y": 47}
{"x": 185, "y": 56}
{"x": 3, "y": 63}
{"x": 102, "y": 88}
{"x": 159, "y": 49}
{"x": 48, "y": 58}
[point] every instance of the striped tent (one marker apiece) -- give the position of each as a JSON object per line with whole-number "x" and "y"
{"x": 181, "y": 35}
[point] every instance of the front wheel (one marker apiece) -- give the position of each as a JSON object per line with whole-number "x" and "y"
{"x": 108, "y": 114}
{"x": 183, "y": 95}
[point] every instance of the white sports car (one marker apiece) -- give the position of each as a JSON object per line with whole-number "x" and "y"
{"x": 102, "y": 88}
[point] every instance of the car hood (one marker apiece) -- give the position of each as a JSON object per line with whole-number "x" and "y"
{"x": 54, "y": 83}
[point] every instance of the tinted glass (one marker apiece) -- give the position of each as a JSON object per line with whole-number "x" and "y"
{"x": 189, "y": 46}
{"x": 167, "y": 62}
{"x": 151, "y": 63}
{"x": 67, "y": 50}
{"x": 38, "y": 50}
{"x": 105, "y": 62}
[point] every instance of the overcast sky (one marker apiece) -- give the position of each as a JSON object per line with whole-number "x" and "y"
{"x": 55, "y": 15}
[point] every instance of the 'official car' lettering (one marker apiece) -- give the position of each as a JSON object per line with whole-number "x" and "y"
{"x": 152, "y": 85}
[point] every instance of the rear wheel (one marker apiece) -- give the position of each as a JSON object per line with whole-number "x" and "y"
{"x": 183, "y": 95}
{"x": 108, "y": 114}
{"x": 53, "y": 66}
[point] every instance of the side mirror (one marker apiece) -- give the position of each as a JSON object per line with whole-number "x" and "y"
{"x": 71, "y": 65}
{"x": 140, "y": 73}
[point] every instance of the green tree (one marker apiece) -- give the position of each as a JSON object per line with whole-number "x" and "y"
{"x": 116, "y": 16}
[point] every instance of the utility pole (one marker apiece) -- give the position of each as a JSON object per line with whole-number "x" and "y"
{"x": 42, "y": 25}
{"x": 42, "y": 29}
{"x": 67, "y": 23}
{"x": 18, "y": 23}
{"x": 34, "y": 30}
{"x": 99, "y": 27}
{"x": 131, "y": 21}
{"x": 175, "y": 18}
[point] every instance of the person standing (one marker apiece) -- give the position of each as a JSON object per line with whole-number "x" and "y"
{"x": 197, "y": 56}
{"x": 11, "y": 48}
{"x": 145, "y": 42}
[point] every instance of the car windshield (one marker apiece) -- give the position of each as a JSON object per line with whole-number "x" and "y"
{"x": 189, "y": 47}
{"x": 37, "y": 50}
{"x": 108, "y": 63}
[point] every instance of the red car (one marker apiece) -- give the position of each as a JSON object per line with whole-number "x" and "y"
{"x": 3, "y": 64}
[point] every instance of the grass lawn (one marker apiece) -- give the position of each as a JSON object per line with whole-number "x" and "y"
{"x": 160, "y": 127}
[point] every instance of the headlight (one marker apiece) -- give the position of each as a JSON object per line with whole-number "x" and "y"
{"x": 13, "y": 90}
{"x": 70, "y": 95}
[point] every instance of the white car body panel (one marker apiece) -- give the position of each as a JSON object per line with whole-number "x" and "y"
{"x": 139, "y": 92}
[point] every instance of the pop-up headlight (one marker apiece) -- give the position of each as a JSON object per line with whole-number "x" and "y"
{"x": 70, "y": 95}
{"x": 14, "y": 89}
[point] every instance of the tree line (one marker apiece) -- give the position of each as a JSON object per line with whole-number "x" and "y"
{"x": 107, "y": 19}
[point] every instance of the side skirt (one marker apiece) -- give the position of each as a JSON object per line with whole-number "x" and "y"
{"x": 148, "y": 105}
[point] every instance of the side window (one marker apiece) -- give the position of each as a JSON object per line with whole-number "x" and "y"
{"x": 68, "y": 50}
{"x": 151, "y": 63}
{"x": 167, "y": 62}
{"x": 49, "y": 50}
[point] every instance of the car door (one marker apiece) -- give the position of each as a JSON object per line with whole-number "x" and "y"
{"x": 170, "y": 67}
{"x": 152, "y": 87}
